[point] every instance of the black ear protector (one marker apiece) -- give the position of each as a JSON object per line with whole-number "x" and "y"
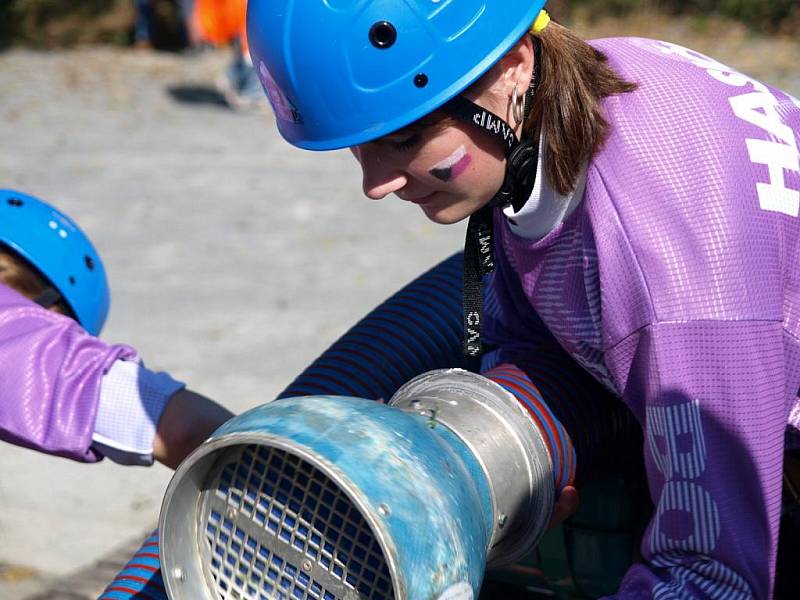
{"x": 521, "y": 167}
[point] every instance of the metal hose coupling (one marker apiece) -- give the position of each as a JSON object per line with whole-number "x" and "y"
{"x": 504, "y": 440}
{"x": 341, "y": 498}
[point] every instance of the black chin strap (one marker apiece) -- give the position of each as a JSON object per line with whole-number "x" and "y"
{"x": 522, "y": 158}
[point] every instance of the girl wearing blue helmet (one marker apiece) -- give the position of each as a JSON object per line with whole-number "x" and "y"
{"x": 89, "y": 399}
{"x": 632, "y": 200}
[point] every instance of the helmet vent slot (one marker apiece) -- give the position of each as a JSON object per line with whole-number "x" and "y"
{"x": 15, "y": 202}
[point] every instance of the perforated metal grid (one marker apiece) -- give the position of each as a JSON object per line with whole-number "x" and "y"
{"x": 276, "y": 527}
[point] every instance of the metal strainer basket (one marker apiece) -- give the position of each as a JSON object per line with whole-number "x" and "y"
{"x": 260, "y": 520}
{"x": 276, "y": 526}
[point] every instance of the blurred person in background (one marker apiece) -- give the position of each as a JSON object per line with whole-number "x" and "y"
{"x": 142, "y": 24}
{"x": 145, "y": 24}
{"x": 222, "y": 23}
{"x": 89, "y": 399}
{"x": 193, "y": 36}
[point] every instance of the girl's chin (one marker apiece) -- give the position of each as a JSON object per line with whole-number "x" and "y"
{"x": 447, "y": 214}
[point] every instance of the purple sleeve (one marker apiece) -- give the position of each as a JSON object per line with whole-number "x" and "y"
{"x": 50, "y": 380}
{"x": 711, "y": 397}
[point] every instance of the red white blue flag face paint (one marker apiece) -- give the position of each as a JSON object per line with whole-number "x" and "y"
{"x": 452, "y": 166}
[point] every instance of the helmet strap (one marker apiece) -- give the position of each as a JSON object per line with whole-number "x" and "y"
{"x": 522, "y": 159}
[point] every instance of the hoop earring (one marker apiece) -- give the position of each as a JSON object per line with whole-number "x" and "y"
{"x": 517, "y": 105}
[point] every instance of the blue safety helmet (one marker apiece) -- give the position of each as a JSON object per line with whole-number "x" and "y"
{"x": 343, "y": 72}
{"x": 54, "y": 244}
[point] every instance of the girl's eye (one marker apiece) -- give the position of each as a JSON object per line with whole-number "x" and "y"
{"x": 407, "y": 143}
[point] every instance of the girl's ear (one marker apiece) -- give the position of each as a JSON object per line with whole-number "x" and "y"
{"x": 495, "y": 89}
{"x": 517, "y": 65}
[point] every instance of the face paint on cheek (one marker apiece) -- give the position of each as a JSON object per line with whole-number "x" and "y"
{"x": 452, "y": 166}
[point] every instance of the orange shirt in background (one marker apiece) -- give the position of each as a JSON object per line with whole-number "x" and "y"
{"x": 221, "y": 21}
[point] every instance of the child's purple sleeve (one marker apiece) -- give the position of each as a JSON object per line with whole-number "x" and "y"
{"x": 50, "y": 378}
{"x": 712, "y": 400}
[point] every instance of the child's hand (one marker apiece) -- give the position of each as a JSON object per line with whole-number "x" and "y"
{"x": 187, "y": 421}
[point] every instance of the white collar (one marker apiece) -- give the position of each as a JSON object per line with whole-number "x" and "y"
{"x": 545, "y": 209}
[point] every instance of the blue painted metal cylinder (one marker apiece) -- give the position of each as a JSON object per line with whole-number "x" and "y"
{"x": 316, "y": 484}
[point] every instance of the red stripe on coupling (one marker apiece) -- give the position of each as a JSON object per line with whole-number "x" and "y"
{"x": 507, "y": 382}
{"x": 513, "y": 373}
{"x": 516, "y": 380}
{"x": 557, "y": 454}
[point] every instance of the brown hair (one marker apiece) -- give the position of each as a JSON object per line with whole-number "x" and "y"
{"x": 18, "y": 274}
{"x": 575, "y": 79}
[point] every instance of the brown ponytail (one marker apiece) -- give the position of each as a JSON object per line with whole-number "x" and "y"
{"x": 575, "y": 79}
{"x": 16, "y": 273}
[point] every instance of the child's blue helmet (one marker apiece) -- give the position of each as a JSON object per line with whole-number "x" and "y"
{"x": 54, "y": 244}
{"x": 343, "y": 72}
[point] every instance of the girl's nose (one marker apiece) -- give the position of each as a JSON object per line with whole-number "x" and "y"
{"x": 379, "y": 179}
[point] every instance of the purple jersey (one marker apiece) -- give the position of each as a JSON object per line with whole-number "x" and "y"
{"x": 676, "y": 284}
{"x": 50, "y": 380}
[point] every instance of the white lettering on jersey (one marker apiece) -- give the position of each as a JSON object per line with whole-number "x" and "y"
{"x": 779, "y": 152}
{"x": 678, "y": 448}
